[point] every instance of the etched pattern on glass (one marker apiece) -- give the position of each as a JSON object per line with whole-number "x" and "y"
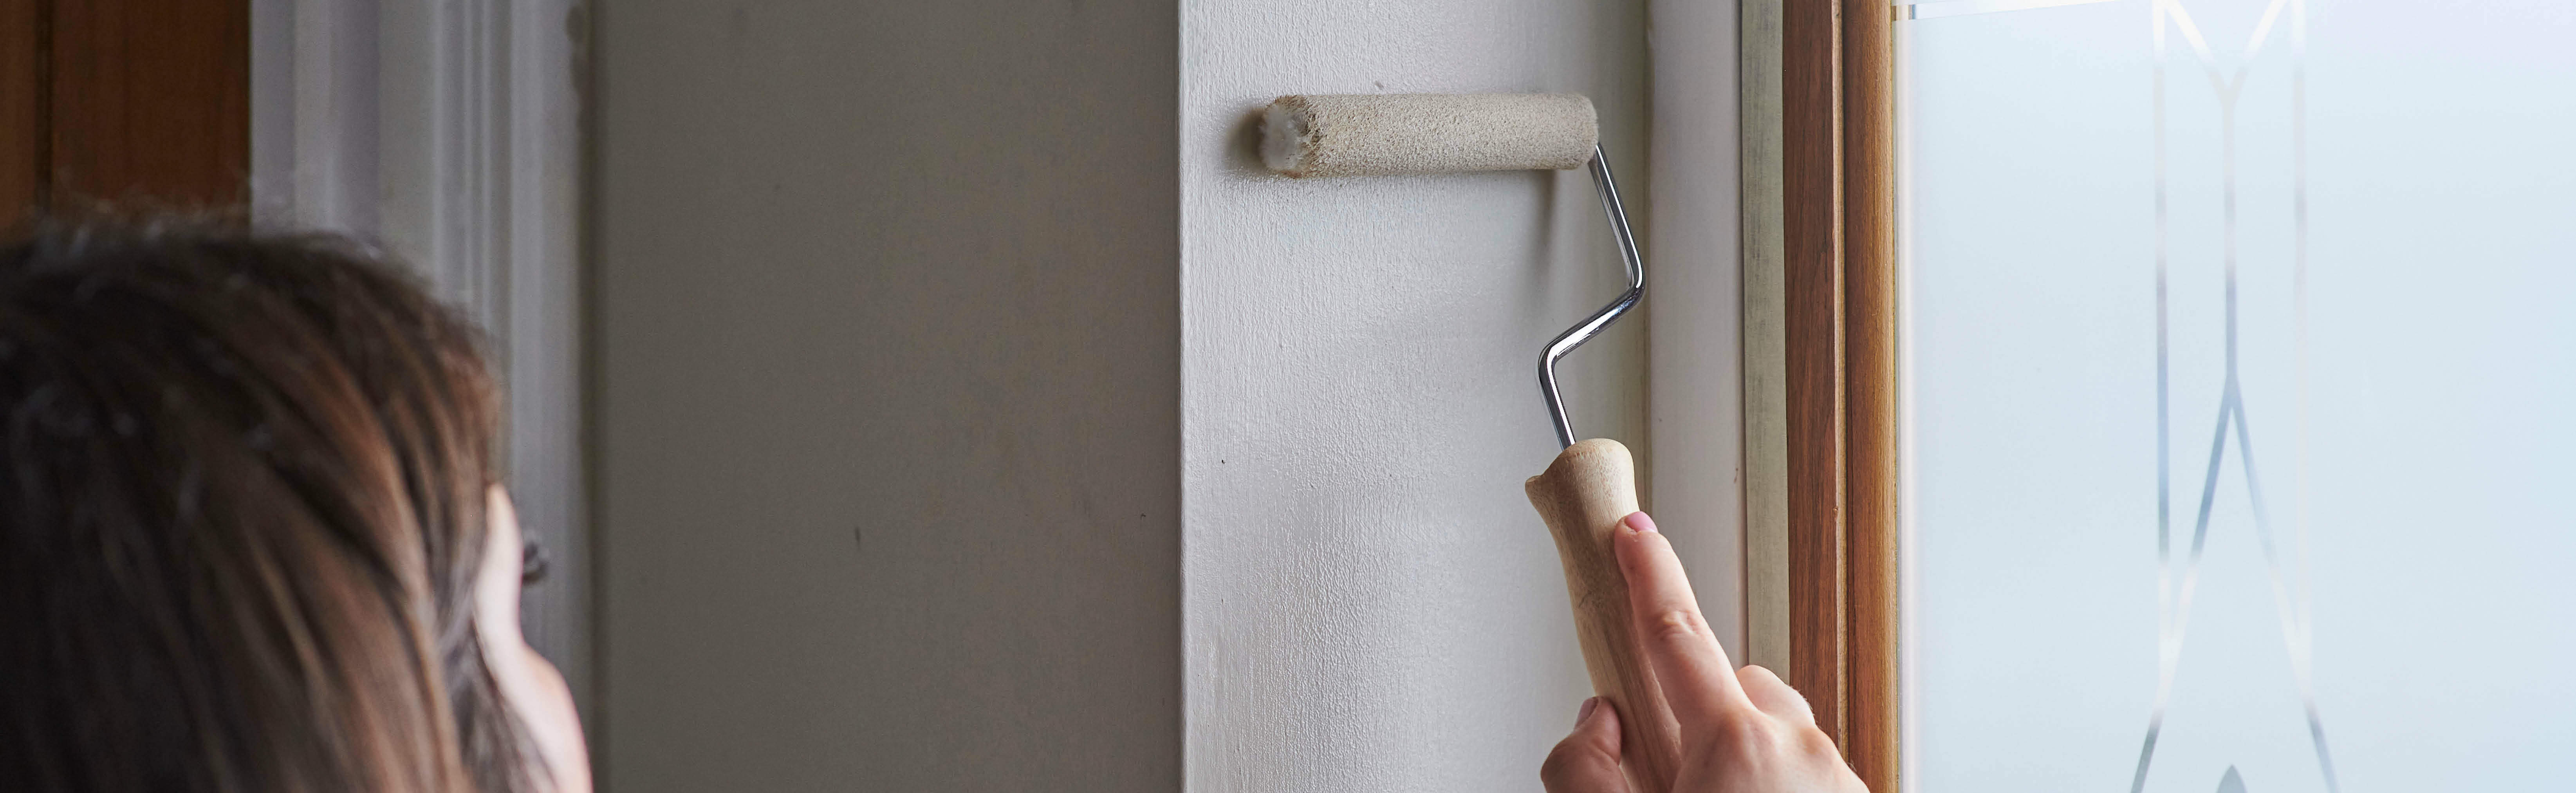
{"x": 2290, "y": 591}
{"x": 2182, "y": 281}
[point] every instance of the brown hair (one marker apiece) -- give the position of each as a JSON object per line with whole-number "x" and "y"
{"x": 243, "y": 483}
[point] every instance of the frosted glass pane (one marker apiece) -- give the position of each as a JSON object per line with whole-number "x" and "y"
{"x": 2241, "y": 428}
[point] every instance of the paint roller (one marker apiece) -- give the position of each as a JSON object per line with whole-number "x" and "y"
{"x": 1591, "y": 486}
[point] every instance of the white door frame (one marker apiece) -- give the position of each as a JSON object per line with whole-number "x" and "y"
{"x": 450, "y": 132}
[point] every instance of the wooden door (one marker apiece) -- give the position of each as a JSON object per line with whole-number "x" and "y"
{"x": 143, "y": 102}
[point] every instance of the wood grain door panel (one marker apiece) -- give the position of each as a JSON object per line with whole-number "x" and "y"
{"x": 132, "y": 101}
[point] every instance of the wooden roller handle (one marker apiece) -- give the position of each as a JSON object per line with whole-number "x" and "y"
{"x": 1583, "y": 496}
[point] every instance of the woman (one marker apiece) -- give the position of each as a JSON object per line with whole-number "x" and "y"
{"x": 250, "y": 536}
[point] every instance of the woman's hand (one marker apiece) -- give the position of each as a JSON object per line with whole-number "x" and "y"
{"x": 1742, "y": 730}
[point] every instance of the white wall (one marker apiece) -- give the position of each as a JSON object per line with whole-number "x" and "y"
{"x": 888, "y": 397}
{"x": 1371, "y": 603}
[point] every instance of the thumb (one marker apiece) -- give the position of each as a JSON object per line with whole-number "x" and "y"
{"x": 1588, "y": 760}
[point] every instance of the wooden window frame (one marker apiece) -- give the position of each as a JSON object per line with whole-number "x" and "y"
{"x": 1821, "y": 369}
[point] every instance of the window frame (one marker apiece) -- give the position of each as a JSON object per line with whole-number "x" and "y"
{"x": 1821, "y": 377}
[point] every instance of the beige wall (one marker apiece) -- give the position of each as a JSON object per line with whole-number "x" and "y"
{"x": 887, "y": 396}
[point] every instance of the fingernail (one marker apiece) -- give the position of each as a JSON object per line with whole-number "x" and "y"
{"x": 1639, "y": 523}
{"x": 1586, "y": 714}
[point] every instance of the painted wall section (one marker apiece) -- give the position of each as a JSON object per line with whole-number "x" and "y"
{"x": 888, "y": 413}
{"x": 1371, "y": 602}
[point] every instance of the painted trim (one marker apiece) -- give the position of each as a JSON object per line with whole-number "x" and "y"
{"x": 313, "y": 114}
{"x": 1765, "y": 351}
{"x": 481, "y": 150}
{"x": 451, "y": 133}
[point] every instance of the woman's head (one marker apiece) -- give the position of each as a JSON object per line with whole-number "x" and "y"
{"x": 249, "y": 533}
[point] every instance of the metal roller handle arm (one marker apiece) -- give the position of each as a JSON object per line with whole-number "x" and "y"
{"x": 1575, "y": 336}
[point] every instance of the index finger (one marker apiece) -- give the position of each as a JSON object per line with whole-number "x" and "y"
{"x": 1698, "y": 681}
